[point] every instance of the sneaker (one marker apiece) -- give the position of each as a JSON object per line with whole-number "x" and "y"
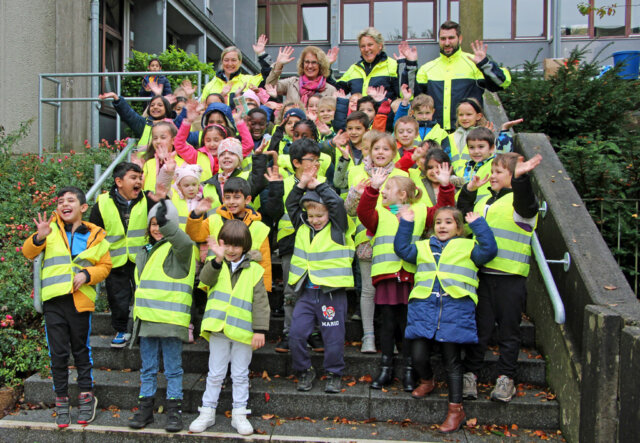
{"x": 368, "y": 344}
{"x": 239, "y": 421}
{"x": 283, "y": 345}
{"x": 120, "y": 340}
{"x": 206, "y": 419}
{"x": 356, "y": 315}
{"x": 505, "y": 389}
{"x": 87, "y": 406}
{"x": 315, "y": 341}
{"x": 305, "y": 382}
{"x": 63, "y": 418}
{"x": 334, "y": 383}
{"x": 469, "y": 386}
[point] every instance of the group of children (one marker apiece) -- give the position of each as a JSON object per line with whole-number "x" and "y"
{"x": 432, "y": 230}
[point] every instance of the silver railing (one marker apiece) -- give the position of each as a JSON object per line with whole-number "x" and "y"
{"x": 100, "y": 178}
{"x": 58, "y": 99}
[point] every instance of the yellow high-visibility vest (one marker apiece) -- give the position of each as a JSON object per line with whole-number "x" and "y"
{"x": 123, "y": 245}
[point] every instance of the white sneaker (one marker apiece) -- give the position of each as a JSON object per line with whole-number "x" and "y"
{"x": 239, "y": 421}
{"x": 505, "y": 389}
{"x": 469, "y": 386}
{"x": 206, "y": 419}
{"x": 368, "y": 344}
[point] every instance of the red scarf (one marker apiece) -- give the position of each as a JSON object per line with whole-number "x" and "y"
{"x": 310, "y": 87}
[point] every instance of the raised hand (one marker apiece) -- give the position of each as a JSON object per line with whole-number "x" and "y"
{"x": 203, "y": 206}
{"x": 226, "y": 89}
{"x": 332, "y": 54}
{"x": 489, "y": 125}
{"x": 109, "y": 95}
{"x": 344, "y": 150}
{"x": 258, "y": 48}
{"x": 476, "y": 182}
{"x": 443, "y": 173}
{"x": 312, "y": 115}
{"x": 285, "y": 55}
{"x": 508, "y": 125}
{"x": 378, "y": 177}
{"x": 263, "y": 145}
{"x": 479, "y": 51}
{"x": 271, "y": 90}
{"x": 378, "y": 93}
{"x": 418, "y": 153}
{"x": 43, "y": 225}
{"x": 410, "y": 53}
{"x": 471, "y": 217}
{"x": 155, "y": 87}
{"x": 216, "y": 247}
{"x": 362, "y": 185}
{"x": 323, "y": 128}
{"x": 273, "y": 105}
{"x": 313, "y": 183}
{"x": 273, "y": 174}
{"x": 406, "y": 213}
{"x": 187, "y": 87}
{"x": 170, "y": 162}
{"x": 341, "y": 138}
{"x": 171, "y": 98}
{"x": 522, "y": 167}
{"x": 340, "y": 93}
{"x": 242, "y": 87}
{"x": 406, "y": 94}
{"x": 192, "y": 111}
{"x": 237, "y": 113}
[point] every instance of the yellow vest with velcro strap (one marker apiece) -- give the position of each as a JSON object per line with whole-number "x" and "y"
{"x": 259, "y": 232}
{"x": 285, "y": 227}
{"x": 229, "y": 310}
{"x": 123, "y": 245}
{"x": 416, "y": 175}
{"x": 356, "y": 175}
{"x": 160, "y": 298}
{"x": 514, "y": 243}
{"x": 326, "y": 262}
{"x": 59, "y": 268}
{"x": 384, "y": 260}
{"x": 455, "y": 270}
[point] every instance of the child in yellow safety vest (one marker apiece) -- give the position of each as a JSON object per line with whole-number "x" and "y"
{"x": 235, "y": 322}
{"x": 76, "y": 258}
{"x": 165, "y": 272}
{"x": 511, "y": 210}
{"x": 443, "y": 300}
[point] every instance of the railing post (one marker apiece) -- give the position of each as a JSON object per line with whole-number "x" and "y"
{"x": 58, "y": 117}
{"x": 95, "y": 68}
{"x": 118, "y": 122}
{"x": 40, "y": 115}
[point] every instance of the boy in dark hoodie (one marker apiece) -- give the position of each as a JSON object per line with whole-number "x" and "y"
{"x": 320, "y": 270}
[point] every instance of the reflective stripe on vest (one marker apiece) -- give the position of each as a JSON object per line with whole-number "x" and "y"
{"x": 123, "y": 247}
{"x": 58, "y": 268}
{"x": 326, "y": 262}
{"x": 229, "y": 310}
{"x": 514, "y": 243}
{"x": 160, "y": 298}
{"x": 259, "y": 232}
{"x": 384, "y": 260}
{"x": 455, "y": 270}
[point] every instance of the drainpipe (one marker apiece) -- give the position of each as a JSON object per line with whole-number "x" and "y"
{"x": 95, "y": 67}
{"x": 557, "y": 34}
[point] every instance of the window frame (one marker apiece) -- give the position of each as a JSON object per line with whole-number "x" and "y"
{"x": 405, "y": 8}
{"x": 300, "y": 4}
{"x": 591, "y": 24}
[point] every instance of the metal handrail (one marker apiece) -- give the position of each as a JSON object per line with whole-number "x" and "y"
{"x": 58, "y": 100}
{"x": 37, "y": 263}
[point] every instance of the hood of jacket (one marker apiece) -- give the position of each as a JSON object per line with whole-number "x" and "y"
{"x": 224, "y": 109}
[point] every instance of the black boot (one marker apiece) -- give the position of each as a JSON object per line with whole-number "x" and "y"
{"x": 144, "y": 414}
{"x": 408, "y": 376}
{"x": 385, "y": 377}
{"x": 174, "y": 416}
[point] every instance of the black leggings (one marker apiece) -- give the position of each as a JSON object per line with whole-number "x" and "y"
{"x": 394, "y": 322}
{"x": 421, "y": 349}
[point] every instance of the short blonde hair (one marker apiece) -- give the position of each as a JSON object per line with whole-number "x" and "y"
{"x": 407, "y": 185}
{"x": 374, "y": 34}
{"x": 421, "y": 100}
{"x": 229, "y": 49}
{"x": 327, "y": 102}
{"x": 325, "y": 67}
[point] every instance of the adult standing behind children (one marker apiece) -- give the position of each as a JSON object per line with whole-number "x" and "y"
{"x": 454, "y": 75}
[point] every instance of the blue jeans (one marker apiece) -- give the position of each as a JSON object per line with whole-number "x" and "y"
{"x": 172, "y": 358}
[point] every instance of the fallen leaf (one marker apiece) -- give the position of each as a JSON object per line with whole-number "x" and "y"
{"x": 385, "y": 390}
{"x": 514, "y": 427}
{"x": 365, "y": 379}
{"x": 227, "y": 414}
{"x": 374, "y": 433}
{"x": 472, "y": 422}
{"x": 610, "y": 287}
{"x": 260, "y": 431}
{"x": 343, "y": 390}
{"x": 267, "y": 397}
{"x": 265, "y": 376}
{"x": 575, "y": 205}
{"x": 351, "y": 383}
{"x": 369, "y": 420}
{"x": 267, "y": 416}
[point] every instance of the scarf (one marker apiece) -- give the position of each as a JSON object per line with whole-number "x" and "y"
{"x": 368, "y": 166}
{"x": 310, "y": 87}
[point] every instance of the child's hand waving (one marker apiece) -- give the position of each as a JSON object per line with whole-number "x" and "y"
{"x": 476, "y": 182}
{"x": 471, "y": 217}
{"x": 216, "y": 248}
{"x": 406, "y": 213}
{"x": 273, "y": 174}
{"x": 522, "y": 167}
{"x": 43, "y": 226}
{"x": 203, "y": 206}
{"x": 508, "y": 125}
{"x": 443, "y": 173}
{"x": 378, "y": 177}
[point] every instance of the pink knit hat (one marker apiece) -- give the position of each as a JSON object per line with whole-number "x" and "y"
{"x": 232, "y": 145}
{"x": 187, "y": 170}
{"x": 251, "y": 96}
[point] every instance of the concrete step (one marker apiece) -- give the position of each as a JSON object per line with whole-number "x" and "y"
{"x": 278, "y": 395}
{"x": 111, "y": 426}
{"x": 101, "y": 325}
{"x": 195, "y": 357}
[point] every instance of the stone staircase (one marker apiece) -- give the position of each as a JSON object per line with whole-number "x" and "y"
{"x": 279, "y": 410}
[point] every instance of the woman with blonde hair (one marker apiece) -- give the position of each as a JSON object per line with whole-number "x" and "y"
{"x": 314, "y": 69}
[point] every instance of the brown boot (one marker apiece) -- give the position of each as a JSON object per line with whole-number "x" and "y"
{"x": 455, "y": 418}
{"x": 425, "y": 387}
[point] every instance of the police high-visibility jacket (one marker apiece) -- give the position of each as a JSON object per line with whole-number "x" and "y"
{"x": 228, "y": 309}
{"x": 218, "y": 82}
{"x": 451, "y": 79}
{"x": 160, "y": 298}
{"x": 59, "y": 268}
{"x": 124, "y": 245}
{"x": 326, "y": 262}
{"x": 415, "y": 174}
{"x": 259, "y": 232}
{"x": 456, "y": 271}
{"x": 384, "y": 260}
{"x": 384, "y": 73}
{"x": 514, "y": 243}
{"x": 285, "y": 227}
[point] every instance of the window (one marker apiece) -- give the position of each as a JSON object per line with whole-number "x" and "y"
{"x": 625, "y": 21}
{"x": 396, "y": 19}
{"x": 287, "y": 21}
